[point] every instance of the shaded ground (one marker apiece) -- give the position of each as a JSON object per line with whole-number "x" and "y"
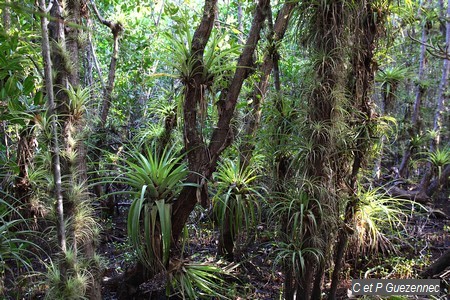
{"x": 259, "y": 279}
{"x": 256, "y": 276}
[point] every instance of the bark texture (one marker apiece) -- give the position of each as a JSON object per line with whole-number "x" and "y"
{"x": 437, "y": 123}
{"x": 202, "y": 158}
{"x": 253, "y": 118}
{"x": 54, "y": 147}
{"x": 367, "y": 28}
{"x": 420, "y": 91}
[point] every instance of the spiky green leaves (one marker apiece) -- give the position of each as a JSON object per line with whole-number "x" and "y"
{"x": 378, "y": 216}
{"x": 238, "y": 197}
{"x": 155, "y": 180}
{"x": 440, "y": 157}
{"x": 198, "y": 281}
{"x": 161, "y": 175}
{"x": 14, "y": 245}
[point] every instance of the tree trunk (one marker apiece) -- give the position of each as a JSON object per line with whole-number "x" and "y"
{"x": 240, "y": 23}
{"x": 438, "y": 266}
{"x": 6, "y": 14}
{"x": 203, "y": 159}
{"x": 225, "y": 248}
{"x": 367, "y": 29}
{"x": 116, "y": 30}
{"x": 329, "y": 21}
{"x": 54, "y": 147}
{"x": 420, "y": 90}
{"x": 252, "y": 119}
{"x": 439, "y": 109}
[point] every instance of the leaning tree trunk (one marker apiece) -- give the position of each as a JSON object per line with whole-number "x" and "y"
{"x": 253, "y": 118}
{"x": 202, "y": 158}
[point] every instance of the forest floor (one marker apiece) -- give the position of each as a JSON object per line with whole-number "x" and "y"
{"x": 256, "y": 277}
{"x": 428, "y": 237}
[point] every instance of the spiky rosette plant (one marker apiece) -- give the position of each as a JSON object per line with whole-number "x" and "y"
{"x": 298, "y": 241}
{"x": 378, "y": 218}
{"x": 155, "y": 180}
{"x": 198, "y": 281}
{"x": 439, "y": 158}
{"x": 236, "y": 204}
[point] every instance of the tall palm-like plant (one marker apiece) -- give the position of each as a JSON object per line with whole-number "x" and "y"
{"x": 295, "y": 211}
{"x": 155, "y": 180}
{"x": 237, "y": 203}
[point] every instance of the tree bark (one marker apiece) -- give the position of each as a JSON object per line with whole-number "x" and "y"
{"x": 6, "y": 15}
{"x": 54, "y": 147}
{"x": 420, "y": 90}
{"x": 252, "y": 119}
{"x": 367, "y": 29}
{"x": 203, "y": 159}
{"x": 329, "y": 24}
{"x": 116, "y": 30}
{"x": 439, "y": 108}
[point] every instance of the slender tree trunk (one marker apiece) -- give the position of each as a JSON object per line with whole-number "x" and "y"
{"x": 93, "y": 55}
{"x": 240, "y": 22}
{"x": 439, "y": 109}
{"x": 6, "y": 18}
{"x": 116, "y": 30}
{"x": 387, "y": 108}
{"x": 252, "y": 119}
{"x": 6, "y": 15}
{"x": 420, "y": 90}
{"x": 54, "y": 147}
{"x": 89, "y": 60}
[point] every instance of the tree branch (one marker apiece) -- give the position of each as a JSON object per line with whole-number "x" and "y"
{"x": 222, "y": 137}
{"x": 116, "y": 29}
{"x": 439, "y": 51}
